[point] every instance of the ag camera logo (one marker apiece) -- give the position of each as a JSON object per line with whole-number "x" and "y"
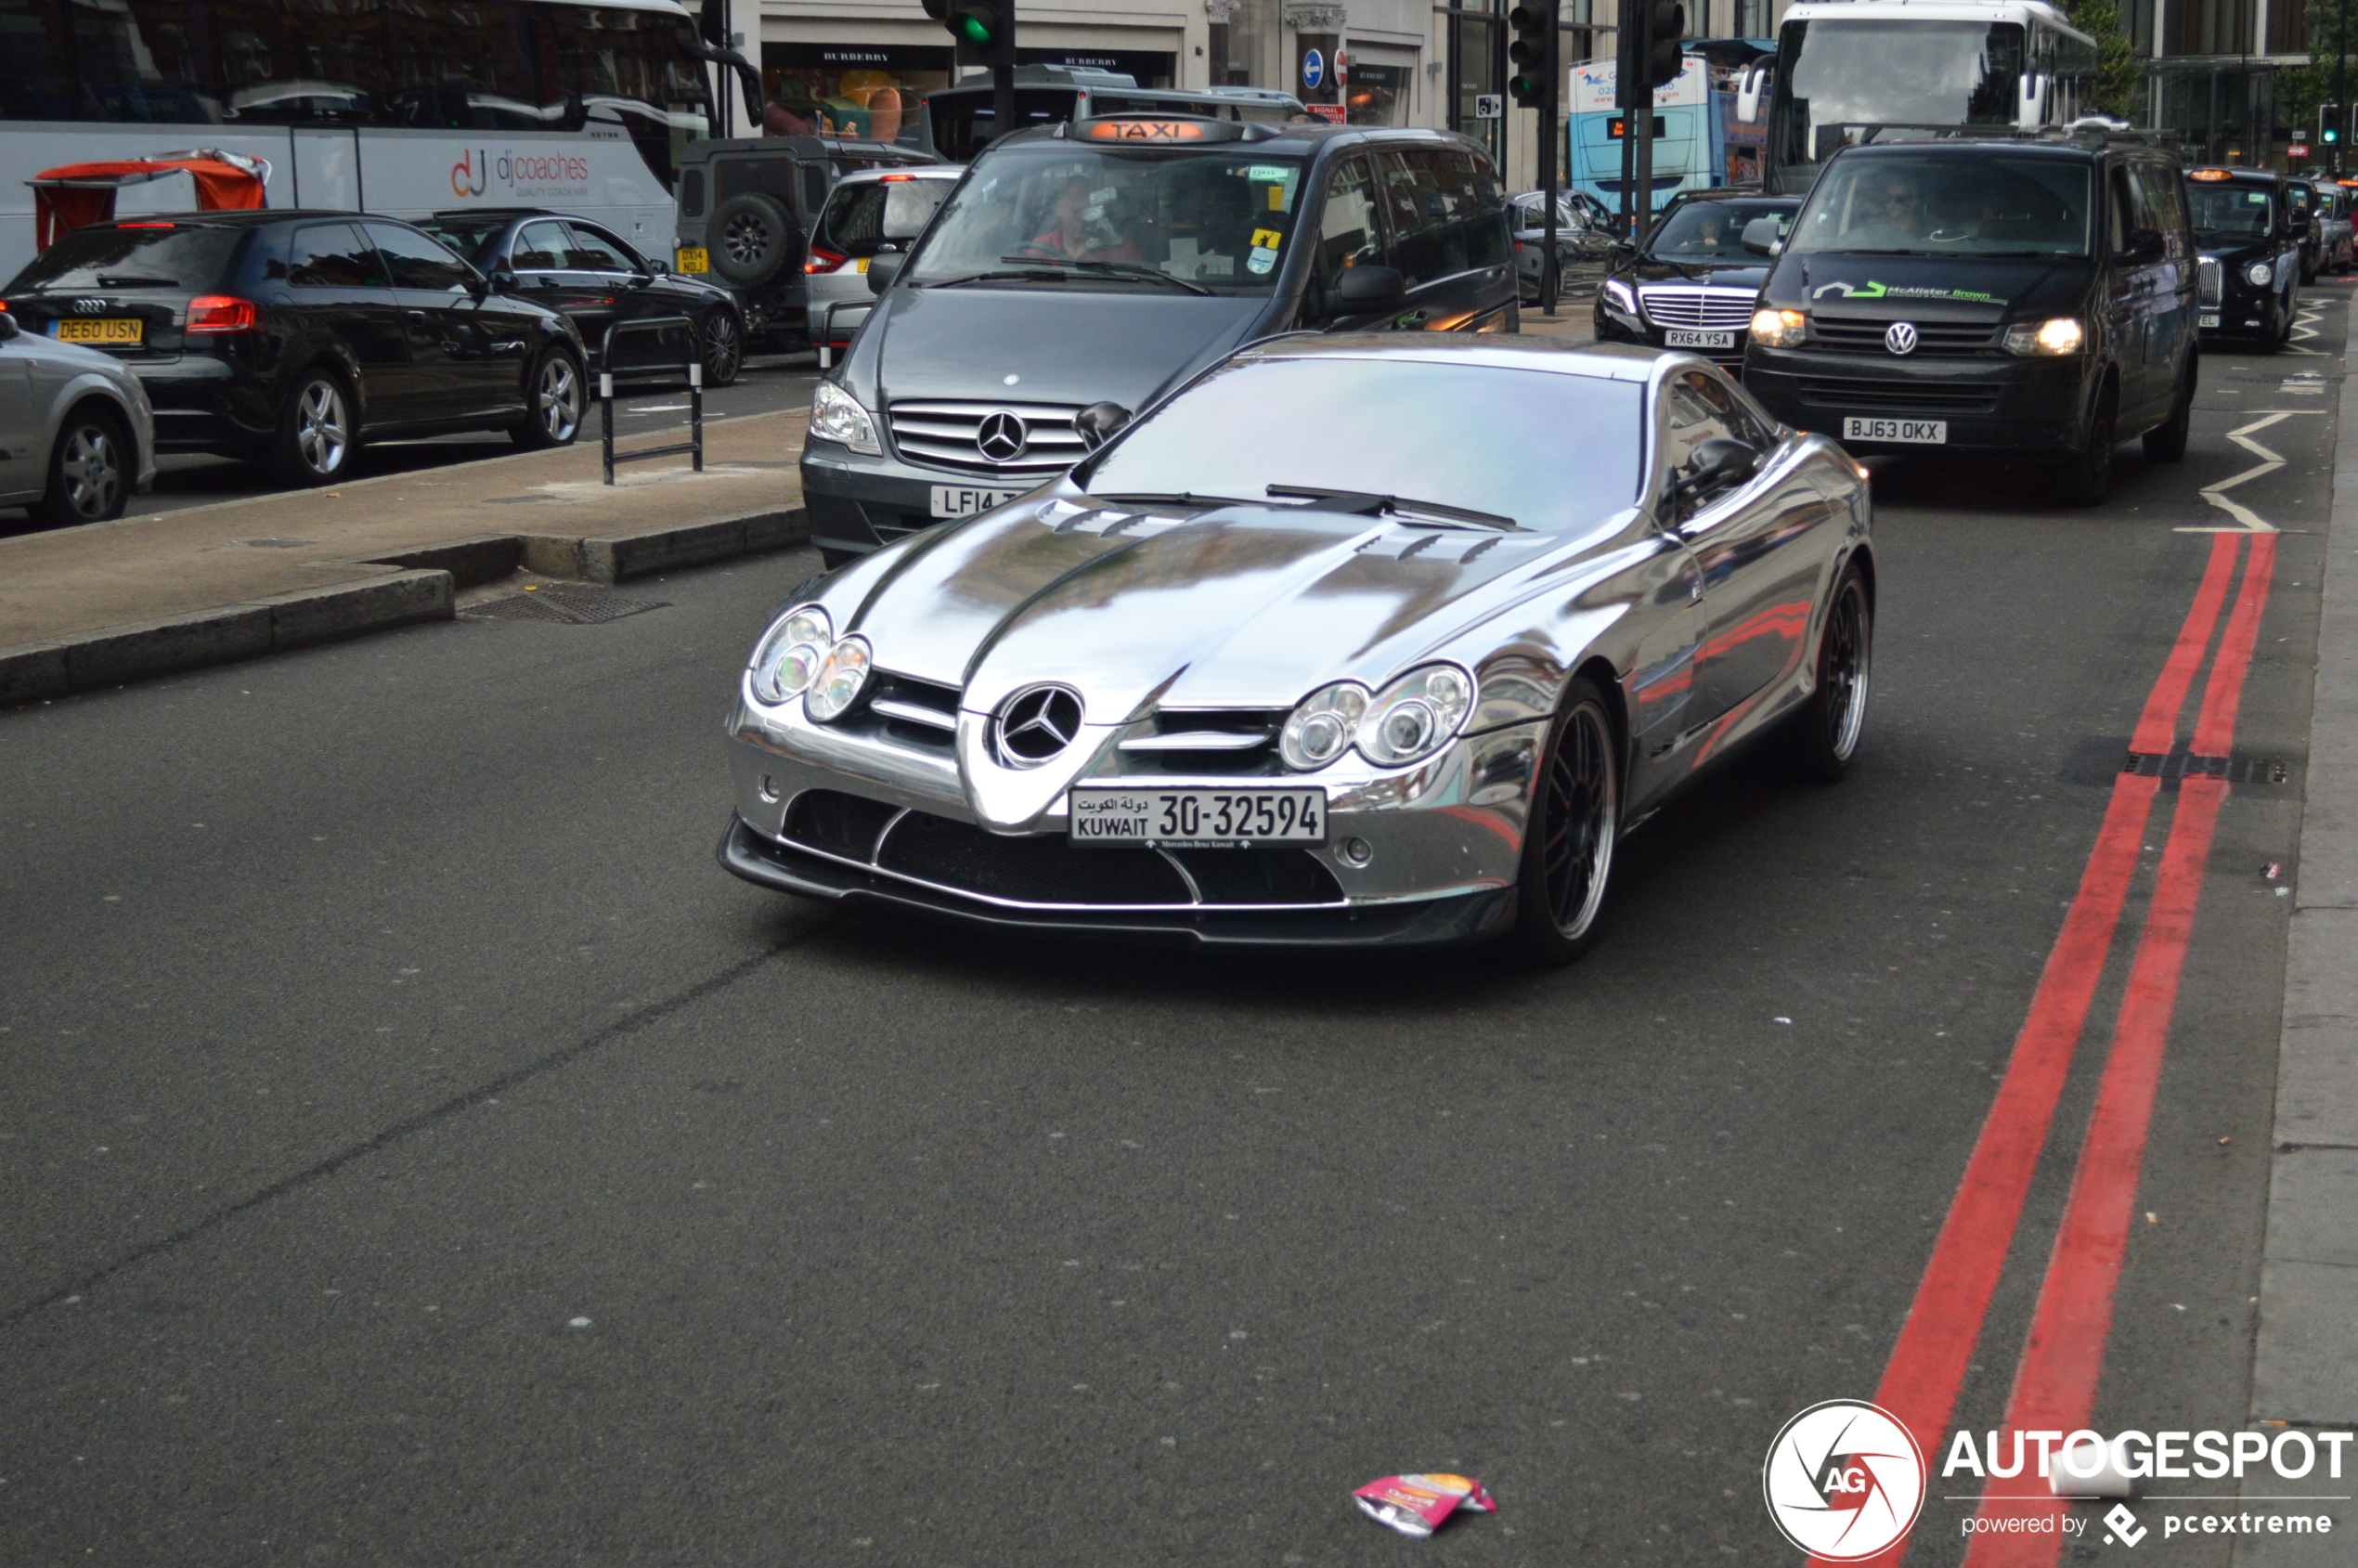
{"x": 1844, "y": 1481}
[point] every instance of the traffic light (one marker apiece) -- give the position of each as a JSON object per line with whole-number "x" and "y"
{"x": 1665, "y": 27}
{"x": 1533, "y": 54}
{"x": 986, "y": 32}
{"x": 2329, "y": 123}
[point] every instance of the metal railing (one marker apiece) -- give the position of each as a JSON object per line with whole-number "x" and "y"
{"x": 693, "y": 446}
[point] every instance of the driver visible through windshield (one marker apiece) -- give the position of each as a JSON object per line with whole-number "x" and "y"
{"x": 1212, "y": 222}
{"x": 1948, "y": 206}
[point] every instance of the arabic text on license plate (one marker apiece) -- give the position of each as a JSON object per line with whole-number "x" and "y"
{"x": 961, "y": 500}
{"x": 106, "y": 329}
{"x": 1181, "y": 819}
{"x": 1687, "y": 337}
{"x": 1921, "y": 432}
{"x": 2207, "y": 318}
{"x": 694, "y": 260}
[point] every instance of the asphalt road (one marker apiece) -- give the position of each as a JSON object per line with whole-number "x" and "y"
{"x": 415, "y": 1150}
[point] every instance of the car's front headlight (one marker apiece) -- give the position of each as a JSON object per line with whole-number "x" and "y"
{"x": 841, "y": 676}
{"x": 1321, "y": 729}
{"x": 2260, "y": 274}
{"x": 837, "y": 415}
{"x": 787, "y": 660}
{"x": 1415, "y": 716}
{"x": 2063, "y": 334}
{"x": 1619, "y": 296}
{"x": 1779, "y": 329}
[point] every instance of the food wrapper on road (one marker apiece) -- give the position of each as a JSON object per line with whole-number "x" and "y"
{"x": 1415, "y": 1505}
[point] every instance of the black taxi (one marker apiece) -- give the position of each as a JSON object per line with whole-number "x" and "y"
{"x": 2251, "y": 234}
{"x": 2024, "y": 295}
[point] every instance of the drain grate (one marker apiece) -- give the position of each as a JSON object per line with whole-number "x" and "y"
{"x": 2098, "y": 759}
{"x": 573, "y": 606}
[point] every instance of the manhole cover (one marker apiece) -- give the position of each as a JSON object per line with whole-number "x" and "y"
{"x": 575, "y": 606}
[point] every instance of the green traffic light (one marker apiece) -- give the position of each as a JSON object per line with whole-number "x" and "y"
{"x": 972, "y": 29}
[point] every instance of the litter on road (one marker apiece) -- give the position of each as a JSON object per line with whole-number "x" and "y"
{"x": 1415, "y": 1505}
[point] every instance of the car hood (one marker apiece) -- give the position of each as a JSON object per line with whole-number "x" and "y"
{"x": 1707, "y": 274}
{"x": 2231, "y": 253}
{"x": 1931, "y": 288}
{"x": 1049, "y": 345}
{"x": 1240, "y": 608}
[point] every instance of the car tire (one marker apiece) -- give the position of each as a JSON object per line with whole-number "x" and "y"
{"x": 318, "y": 430}
{"x": 1572, "y": 831}
{"x": 753, "y": 236}
{"x": 555, "y": 398}
{"x": 1824, "y": 733}
{"x": 721, "y": 340}
{"x": 2086, "y": 476}
{"x": 90, "y": 470}
{"x": 2167, "y": 441}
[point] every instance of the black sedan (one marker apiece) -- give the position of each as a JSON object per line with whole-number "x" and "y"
{"x": 2251, "y": 257}
{"x": 1692, "y": 284}
{"x": 594, "y": 276}
{"x": 294, "y": 336}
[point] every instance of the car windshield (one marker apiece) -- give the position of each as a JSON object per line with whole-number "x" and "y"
{"x": 1715, "y": 230}
{"x": 474, "y": 238}
{"x": 1994, "y": 205}
{"x": 1531, "y": 211}
{"x": 865, "y": 217}
{"x": 142, "y": 255}
{"x": 1217, "y": 219}
{"x": 1553, "y": 451}
{"x": 1844, "y": 73}
{"x": 2230, "y": 212}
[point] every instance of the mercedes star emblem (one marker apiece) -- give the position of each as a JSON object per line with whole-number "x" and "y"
{"x": 1000, "y": 437}
{"x": 1037, "y": 723}
{"x": 1900, "y": 337}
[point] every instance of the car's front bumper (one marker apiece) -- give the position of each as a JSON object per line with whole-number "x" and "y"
{"x": 1438, "y": 847}
{"x": 859, "y": 503}
{"x": 2244, "y": 312}
{"x": 1987, "y": 401}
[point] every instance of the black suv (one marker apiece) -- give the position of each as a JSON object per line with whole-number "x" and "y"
{"x": 2025, "y": 296}
{"x": 294, "y": 336}
{"x": 2252, "y": 257}
{"x": 747, "y": 206}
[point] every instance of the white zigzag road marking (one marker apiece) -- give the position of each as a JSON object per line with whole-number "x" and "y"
{"x": 2252, "y": 523}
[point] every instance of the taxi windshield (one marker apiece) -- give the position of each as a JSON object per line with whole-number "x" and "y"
{"x": 1211, "y": 220}
{"x": 2230, "y": 212}
{"x": 1948, "y": 206}
{"x": 1714, "y": 231}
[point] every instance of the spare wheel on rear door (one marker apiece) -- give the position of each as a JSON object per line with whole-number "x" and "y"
{"x": 754, "y": 237}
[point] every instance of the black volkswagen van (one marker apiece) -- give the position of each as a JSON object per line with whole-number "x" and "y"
{"x": 2022, "y": 296}
{"x": 1104, "y": 261}
{"x": 2252, "y": 262}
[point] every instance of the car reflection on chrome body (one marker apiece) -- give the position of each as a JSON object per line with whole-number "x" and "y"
{"x": 1404, "y": 676}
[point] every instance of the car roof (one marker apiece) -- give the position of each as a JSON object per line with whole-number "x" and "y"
{"x": 1303, "y": 140}
{"x": 1735, "y": 193}
{"x": 918, "y": 171}
{"x": 1610, "y": 361}
{"x": 1982, "y": 146}
{"x": 240, "y": 218}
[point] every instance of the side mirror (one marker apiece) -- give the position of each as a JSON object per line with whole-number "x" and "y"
{"x": 8, "y": 327}
{"x": 2146, "y": 245}
{"x": 2030, "y": 101}
{"x": 1760, "y": 237}
{"x": 882, "y": 270}
{"x": 1714, "y": 466}
{"x": 1368, "y": 290}
{"x": 1756, "y": 81}
{"x": 1100, "y": 422}
{"x": 503, "y": 281}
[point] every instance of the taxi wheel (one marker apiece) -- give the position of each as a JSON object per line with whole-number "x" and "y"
{"x": 2086, "y": 476}
{"x": 1569, "y": 841}
{"x": 2167, "y": 441}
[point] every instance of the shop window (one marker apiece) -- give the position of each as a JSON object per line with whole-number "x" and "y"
{"x": 1376, "y": 94}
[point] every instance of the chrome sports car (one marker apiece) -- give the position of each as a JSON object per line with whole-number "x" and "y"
{"x": 1351, "y": 640}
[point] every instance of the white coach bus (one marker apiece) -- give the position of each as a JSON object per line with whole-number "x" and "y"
{"x": 403, "y": 107}
{"x": 1851, "y": 71}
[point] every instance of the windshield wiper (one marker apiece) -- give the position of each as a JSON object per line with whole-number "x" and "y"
{"x": 1116, "y": 269}
{"x": 131, "y": 280}
{"x": 1368, "y": 502}
{"x": 1180, "y": 497}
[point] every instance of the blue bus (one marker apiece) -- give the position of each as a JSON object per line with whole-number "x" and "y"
{"x": 1699, "y": 142}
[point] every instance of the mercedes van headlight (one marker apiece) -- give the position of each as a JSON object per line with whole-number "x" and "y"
{"x": 837, "y": 415}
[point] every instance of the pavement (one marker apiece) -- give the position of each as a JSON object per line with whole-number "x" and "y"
{"x": 82, "y": 608}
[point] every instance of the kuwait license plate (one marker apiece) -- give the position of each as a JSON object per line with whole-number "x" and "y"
{"x": 1921, "y": 432}
{"x": 960, "y": 500}
{"x": 696, "y": 259}
{"x": 2207, "y": 318}
{"x": 1687, "y": 337}
{"x": 106, "y": 329}
{"x": 1197, "y": 818}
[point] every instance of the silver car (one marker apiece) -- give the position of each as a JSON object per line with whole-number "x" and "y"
{"x": 1583, "y": 245}
{"x": 77, "y": 435}
{"x": 1350, "y": 642}
{"x": 870, "y": 213}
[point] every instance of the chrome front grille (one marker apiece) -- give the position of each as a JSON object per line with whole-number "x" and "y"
{"x": 1713, "y": 310}
{"x": 1231, "y": 740}
{"x": 947, "y": 435}
{"x": 2211, "y": 282}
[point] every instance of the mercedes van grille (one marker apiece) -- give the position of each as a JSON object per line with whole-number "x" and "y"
{"x": 969, "y": 437}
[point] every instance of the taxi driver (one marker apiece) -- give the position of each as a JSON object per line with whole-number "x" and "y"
{"x": 1076, "y": 214}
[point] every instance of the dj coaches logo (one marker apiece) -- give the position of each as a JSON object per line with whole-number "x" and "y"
{"x": 1844, "y": 1480}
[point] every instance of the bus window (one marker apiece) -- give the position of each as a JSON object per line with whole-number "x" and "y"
{"x": 1839, "y": 73}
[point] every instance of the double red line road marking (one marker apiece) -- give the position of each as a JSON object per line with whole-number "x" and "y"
{"x": 2055, "y": 1385}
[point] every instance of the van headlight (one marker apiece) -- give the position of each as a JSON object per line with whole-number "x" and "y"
{"x": 1415, "y": 716}
{"x": 2260, "y": 274}
{"x": 787, "y": 660}
{"x": 2063, "y": 334}
{"x": 1779, "y": 329}
{"x": 837, "y": 415}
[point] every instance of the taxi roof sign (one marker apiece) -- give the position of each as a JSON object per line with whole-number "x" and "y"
{"x": 1163, "y": 129}
{"x": 2210, "y": 174}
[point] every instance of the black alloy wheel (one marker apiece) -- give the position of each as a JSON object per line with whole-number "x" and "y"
{"x": 318, "y": 434}
{"x": 554, "y": 399}
{"x": 1825, "y": 733}
{"x": 1569, "y": 841}
{"x": 753, "y": 234}
{"x": 2086, "y": 474}
{"x": 89, "y": 471}
{"x": 2167, "y": 441}
{"x": 724, "y": 347}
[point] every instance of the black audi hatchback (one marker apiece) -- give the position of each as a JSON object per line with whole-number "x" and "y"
{"x": 2030, "y": 296}
{"x": 2251, "y": 237}
{"x": 294, "y": 336}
